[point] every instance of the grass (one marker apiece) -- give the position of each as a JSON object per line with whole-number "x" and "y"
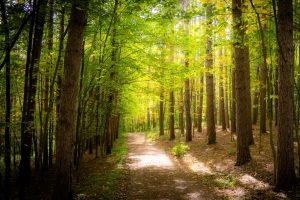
{"x": 232, "y": 150}
{"x": 103, "y": 185}
{"x": 119, "y": 151}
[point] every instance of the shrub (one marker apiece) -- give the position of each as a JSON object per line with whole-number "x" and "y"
{"x": 227, "y": 181}
{"x": 180, "y": 149}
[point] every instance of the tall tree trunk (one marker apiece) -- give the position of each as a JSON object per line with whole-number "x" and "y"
{"x": 194, "y": 102}
{"x": 263, "y": 78}
{"x": 32, "y": 68}
{"x": 59, "y": 64}
{"x": 113, "y": 73}
{"x": 247, "y": 77}
{"x": 243, "y": 151}
{"x": 285, "y": 175}
{"x": 210, "y": 104}
{"x": 276, "y": 93}
{"x": 46, "y": 95}
{"x": 161, "y": 114}
{"x": 172, "y": 99}
{"x": 187, "y": 103}
{"x": 248, "y": 93}
{"x": 181, "y": 111}
{"x": 172, "y": 120}
{"x": 233, "y": 102}
{"x": 221, "y": 95}
{"x": 200, "y": 108}
{"x": 67, "y": 114}
{"x": 7, "y": 135}
{"x": 255, "y": 101}
{"x": 226, "y": 94}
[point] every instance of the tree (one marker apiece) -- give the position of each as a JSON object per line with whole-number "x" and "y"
{"x": 210, "y": 104}
{"x": 243, "y": 151}
{"x": 67, "y": 113}
{"x": 285, "y": 174}
{"x": 161, "y": 113}
{"x": 172, "y": 102}
{"x": 222, "y": 120}
{"x": 7, "y": 156}
{"x": 200, "y": 106}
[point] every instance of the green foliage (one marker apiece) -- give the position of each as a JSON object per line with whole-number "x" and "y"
{"x": 180, "y": 149}
{"x": 153, "y": 135}
{"x": 227, "y": 181}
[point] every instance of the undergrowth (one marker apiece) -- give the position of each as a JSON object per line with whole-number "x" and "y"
{"x": 180, "y": 149}
{"x": 119, "y": 151}
{"x": 103, "y": 185}
{"x": 226, "y": 181}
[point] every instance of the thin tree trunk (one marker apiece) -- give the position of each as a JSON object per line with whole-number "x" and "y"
{"x": 187, "y": 103}
{"x": 181, "y": 111}
{"x": 161, "y": 114}
{"x": 172, "y": 120}
{"x": 221, "y": 95}
{"x": 200, "y": 109}
{"x": 46, "y": 95}
{"x": 226, "y": 94}
{"x": 255, "y": 101}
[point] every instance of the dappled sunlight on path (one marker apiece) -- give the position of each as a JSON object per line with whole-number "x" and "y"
{"x": 152, "y": 174}
{"x": 142, "y": 154}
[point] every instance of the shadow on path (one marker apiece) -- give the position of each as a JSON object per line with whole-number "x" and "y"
{"x": 151, "y": 174}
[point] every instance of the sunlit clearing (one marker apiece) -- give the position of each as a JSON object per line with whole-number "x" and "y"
{"x": 195, "y": 165}
{"x": 250, "y": 180}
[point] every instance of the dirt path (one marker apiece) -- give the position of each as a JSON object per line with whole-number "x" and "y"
{"x": 150, "y": 173}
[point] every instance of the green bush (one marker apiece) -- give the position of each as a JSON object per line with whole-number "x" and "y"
{"x": 227, "y": 181}
{"x": 180, "y": 149}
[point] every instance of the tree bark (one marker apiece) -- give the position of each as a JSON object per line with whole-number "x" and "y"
{"x": 200, "y": 109}
{"x": 233, "y": 102}
{"x": 181, "y": 111}
{"x": 285, "y": 175}
{"x": 187, "y": 103}
{"x": 67, "y": 114}
{"x": 210, "y": 104}
{"x": 161, "y": 114}
{"x": 226, "y": 94}
{"x": 255, "y": 101}
{"x": 7, "y": 135}
{"x": 243, "y": 151}
{"x": 221, "y": 95}
{"x": 172, "y": 120}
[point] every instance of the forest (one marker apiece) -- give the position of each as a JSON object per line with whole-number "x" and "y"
{"x": 88, "y": 89}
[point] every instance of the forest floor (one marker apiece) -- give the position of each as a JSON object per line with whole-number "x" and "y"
{"x": 146, "y": 169}
{"x": 150, "y": 171}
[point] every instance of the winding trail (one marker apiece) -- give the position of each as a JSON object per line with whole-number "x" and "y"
{"x": 149, "y": 173}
